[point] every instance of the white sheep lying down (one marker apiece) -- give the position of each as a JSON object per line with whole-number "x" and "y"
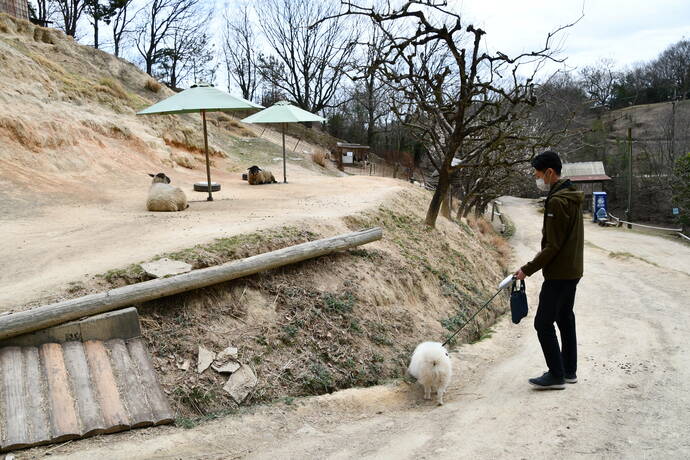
{"x": 164, "y": 197}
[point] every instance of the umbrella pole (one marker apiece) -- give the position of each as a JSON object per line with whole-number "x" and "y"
{"x": 208, "y": 164}
{"x": 284, "y": 169}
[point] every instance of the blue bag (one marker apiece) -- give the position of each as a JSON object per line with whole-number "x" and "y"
{"x": 518, "y": 302}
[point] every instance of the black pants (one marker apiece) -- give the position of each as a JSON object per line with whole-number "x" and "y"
{"x": 556, "y": 301}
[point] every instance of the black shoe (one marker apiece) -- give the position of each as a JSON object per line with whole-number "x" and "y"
{"x": 570, "y": 378}
{"x": 547, "y": 382}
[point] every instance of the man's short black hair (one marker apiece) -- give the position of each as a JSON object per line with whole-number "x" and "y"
{"x": 546, "y": 160}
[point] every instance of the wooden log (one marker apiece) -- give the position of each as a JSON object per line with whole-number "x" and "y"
{"x": 132, "y": 390}
{"x": 16, "y": 419}
{"x": 36, "y": 403}
{"x": 50, "y": 315}
{"x": 147, "y": 376}
{"x": 64, "y": 421}
{"x": 78, "y": 368}
{"x": 114, "y": 414}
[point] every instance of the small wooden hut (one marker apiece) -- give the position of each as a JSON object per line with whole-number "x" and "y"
{"x": 588, "y": 176}
{"x": 348, "y": 153}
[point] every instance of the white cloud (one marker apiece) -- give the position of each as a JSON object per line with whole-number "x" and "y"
{"x": 626, "y": 31}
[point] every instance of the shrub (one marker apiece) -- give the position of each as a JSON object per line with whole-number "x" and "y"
{"x": 480, "y": 224}
{"x": 152, "y": 85}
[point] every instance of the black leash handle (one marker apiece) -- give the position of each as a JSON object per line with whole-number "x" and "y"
{"x": 475, "y": 314}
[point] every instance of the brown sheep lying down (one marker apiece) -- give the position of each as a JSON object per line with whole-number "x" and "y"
{"x": 258, "y": 176}
{"x": 164, "y": 197}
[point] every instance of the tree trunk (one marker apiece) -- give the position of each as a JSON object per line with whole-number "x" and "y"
{"x": 95, "y": 33}
{"x": 445, "y": 205}
{"x": 435, "y": 205}
{"x": 461, "y": 210}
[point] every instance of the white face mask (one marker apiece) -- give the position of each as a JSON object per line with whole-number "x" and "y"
{"x": 543, "y": 186}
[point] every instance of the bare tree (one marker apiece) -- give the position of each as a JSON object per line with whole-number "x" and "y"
{"x": 271, "y": 91}
{"x": 70, "y": 12}
{"x": 101, "y": 11}
{"x": 160, "y": 19}
{"x": 673, "y": 69}
{"x": 504, "y": 161}
{"x": 42, "y": 10}
{"x": 314, "y": 54}
{"x": 599, "y": 82}
{"x": 121, "y": 23}
{"x": 187, "y": 56}
{"x": 372, "y": 96}
{"x": 240, "y": 51}
{"x": 459, "y": 100}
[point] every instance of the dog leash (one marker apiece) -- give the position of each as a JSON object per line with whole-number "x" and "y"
{"x": 500, "y": 288}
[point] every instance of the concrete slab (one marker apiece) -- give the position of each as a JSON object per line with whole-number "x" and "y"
{"x": 118, "y": 324}
{"x": 165, "y": 267}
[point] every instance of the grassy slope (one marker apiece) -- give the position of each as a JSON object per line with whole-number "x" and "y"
{"x": 69, "y": 109}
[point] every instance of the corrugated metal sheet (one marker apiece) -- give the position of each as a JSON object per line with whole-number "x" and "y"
{"x": 585, "y": 168}
{"x": 594, "y": 178}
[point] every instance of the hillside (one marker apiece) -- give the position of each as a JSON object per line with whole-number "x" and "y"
{"x": 69, "y": 133}
{"x": 650, "y": 122}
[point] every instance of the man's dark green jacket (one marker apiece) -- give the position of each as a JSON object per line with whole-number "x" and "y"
{"x": 562, "y": 240}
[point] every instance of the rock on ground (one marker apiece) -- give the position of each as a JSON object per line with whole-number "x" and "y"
{"x": 226, "y": 355}
{"x": 227, "y": 368}
{"x": 204, "y": 359}
{"x": 165, "y": 267}
{"x": 241, "y": 383}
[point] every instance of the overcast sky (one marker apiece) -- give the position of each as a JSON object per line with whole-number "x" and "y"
{"x": 626, "y": 31}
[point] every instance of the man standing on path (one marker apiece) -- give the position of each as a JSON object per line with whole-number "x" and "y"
{"x": 560, "y": 260}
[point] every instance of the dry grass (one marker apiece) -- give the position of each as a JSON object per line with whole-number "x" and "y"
{"x": 9, "y": 24}
{"x": 5, "y": 23}
{"x": 20, "y": 132}
{"x": 152, "y": 85}
{"x": 229, "y": 123}
{"x": 193, "y": 148}
{"x": 186, "y": 161}
{"x": 43, "y": 35}
{"x": 502, "y": 248}
{"x": 319, "y": 158}
{"x": 488, "y": 236}
{"x": 47, "y": 63}
{"x": 113, "y": 87}
{"x": 481, "y": 225}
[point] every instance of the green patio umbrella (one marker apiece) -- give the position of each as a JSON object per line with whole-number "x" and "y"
{"x": 200, "y": 98}
{"x": 282, "y": 112}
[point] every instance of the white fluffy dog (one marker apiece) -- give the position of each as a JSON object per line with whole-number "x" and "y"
{"x": 430, "y": 365}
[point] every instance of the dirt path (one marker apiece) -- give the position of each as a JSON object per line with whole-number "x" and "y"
{"x": 632, "y": 400}
{"x": 91, "y": 238}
